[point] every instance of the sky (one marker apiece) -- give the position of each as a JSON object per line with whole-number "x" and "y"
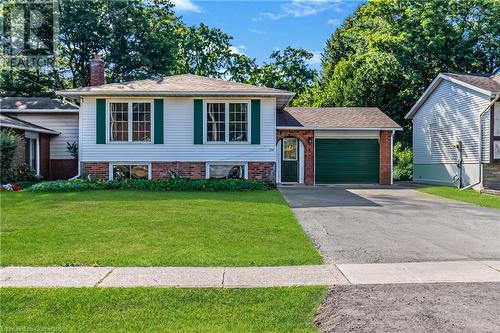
{"x": 259, "y": 27}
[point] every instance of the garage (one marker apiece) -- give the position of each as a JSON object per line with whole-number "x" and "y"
{"x": 347, "y": 161}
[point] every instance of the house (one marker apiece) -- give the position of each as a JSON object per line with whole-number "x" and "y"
{"x": 46, "y": 125}
{"x": 198, "y": 127}
{"x": 456, "y": 132}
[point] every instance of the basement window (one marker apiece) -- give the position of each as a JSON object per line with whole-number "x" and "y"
{"x": 227, "y": 171}
{"x": 130, "y": 171}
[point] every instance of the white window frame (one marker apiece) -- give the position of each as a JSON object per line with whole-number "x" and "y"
{"x": 226, "y": 122}
{"x": 130, "y": 120}
{"x": 111, "y": 164}
{"x": 208, "y": 164}
{"x": 36, "y": 137}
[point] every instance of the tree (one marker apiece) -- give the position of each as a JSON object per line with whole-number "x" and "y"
{"x": 288, "y": 71}
{"x": 388, "y": 52}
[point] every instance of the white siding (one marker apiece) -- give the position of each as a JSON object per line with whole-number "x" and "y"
{"x": 449, "y": 115}
{"x": 66, "y": 123}
{"x": 178, "y": 138}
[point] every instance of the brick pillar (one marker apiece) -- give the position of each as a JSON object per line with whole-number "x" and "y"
{"x": 96, "y": 71}
{"x": 385, "y": 158}
{"x": 307, "y": 139}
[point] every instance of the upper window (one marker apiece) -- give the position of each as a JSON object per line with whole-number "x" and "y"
{"x": 227, "y": 122}
{"x": 131, "y": 117}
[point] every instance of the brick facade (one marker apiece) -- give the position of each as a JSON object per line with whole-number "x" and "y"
{"x": 385, "y": 158}
{"x": 262, "y": 171}
{"x": 491, "y": 176}
{"x": 95, "y": 169}
{"x": 164, "y": 170}
{"x": 307, "y": 139}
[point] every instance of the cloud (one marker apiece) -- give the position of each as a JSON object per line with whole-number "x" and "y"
{"x": 238, "y": 49}
{"x": 186, "y": 6}
{"x": 316, "y": 59}
{"x": 334, "y": 22}
{"x": 301, "y": 8}
{"x": 258, "y": 31}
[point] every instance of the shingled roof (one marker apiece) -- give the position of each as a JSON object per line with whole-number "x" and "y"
{"x": 12, "y": 122}
{"x": 181, "y": 85}
{"x": 334, "y": 118}
{"x": 20, "y": 104}
{"x": 487, "y": 82}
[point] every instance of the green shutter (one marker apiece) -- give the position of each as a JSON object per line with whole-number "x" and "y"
{"x": 255, "y": 121}
{"x": 100, "y": 120}
{"x": 198, "y": 121}
{"x": 158, "y": 121}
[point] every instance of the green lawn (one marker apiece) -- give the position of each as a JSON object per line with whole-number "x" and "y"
{"x": 470, "y": 196}
{"x": 159, "y": 310}
{"x": 135, "y": 228}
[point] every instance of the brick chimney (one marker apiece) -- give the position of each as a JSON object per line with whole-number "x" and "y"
{"x": 96, "y": 71}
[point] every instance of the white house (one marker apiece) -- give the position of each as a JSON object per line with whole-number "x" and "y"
{"x": 456, "y": 132}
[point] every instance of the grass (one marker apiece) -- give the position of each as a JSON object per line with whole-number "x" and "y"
{"x": 134, "y": 228}
{"x": 470, "y": 196}
{"x": 160, "y": 310}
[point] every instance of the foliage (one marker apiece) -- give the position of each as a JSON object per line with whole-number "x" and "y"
{"x": 470, "y": 196}
{"x": 288, "y": 71}
{"x": 144, "y": 228}
{"x": 403, "y": 167}
{"x": 22, "y": 173}
{"x": 388, "y": 52}
{"x": 9, "y": 141}
{"x": 180, "y": 184}
{"x": 72, "y": 147}
{"x": 162, "y": 309}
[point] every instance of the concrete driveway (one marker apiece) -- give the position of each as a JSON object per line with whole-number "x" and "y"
{"x": 388, "y": 225}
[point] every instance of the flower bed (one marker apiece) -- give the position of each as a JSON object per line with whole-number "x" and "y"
{"x": 208, "y": 185}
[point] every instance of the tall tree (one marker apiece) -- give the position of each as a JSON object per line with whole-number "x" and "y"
{"x": 389, "y": 51}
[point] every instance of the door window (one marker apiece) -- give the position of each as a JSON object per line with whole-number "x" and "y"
{"x": 290, "y": 152}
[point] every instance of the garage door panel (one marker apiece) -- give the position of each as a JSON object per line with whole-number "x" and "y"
{"x": 344, "y": 161}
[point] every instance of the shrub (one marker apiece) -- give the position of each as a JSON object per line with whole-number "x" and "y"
{"x": 23, "y": 173}
{"x": 403, "y": 167}
{"x": 9, "y": 141}
{"x": 182, "y": 184}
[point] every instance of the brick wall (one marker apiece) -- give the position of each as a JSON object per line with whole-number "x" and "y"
{"x": 262, "y": 171}
{"x": 307, "y": 139}
{"x": 163, "y": 170}
{"x": 385, "y": 158}
{"x": 95, "y": 169}
{"x": 491, "y": 176}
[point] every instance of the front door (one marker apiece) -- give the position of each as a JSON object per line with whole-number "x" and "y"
{"x": 290, "y": 160}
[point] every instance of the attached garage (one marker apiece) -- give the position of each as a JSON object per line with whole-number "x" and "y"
{"x": 346, "y": 161}
{"x": 335, "y": 145}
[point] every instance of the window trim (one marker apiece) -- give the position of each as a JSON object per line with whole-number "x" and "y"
{"x": 208, "y": 164}
{"x": 111, "y": 164}
{"x": 226, "y": 122}
{"x": 130, "y": 121}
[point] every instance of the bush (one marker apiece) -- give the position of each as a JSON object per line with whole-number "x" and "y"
{"x": 403, "y": 167}
{"x": 188, "y": 185}
{"x": 9, "y": 141}
{"x": 23, "y": 173}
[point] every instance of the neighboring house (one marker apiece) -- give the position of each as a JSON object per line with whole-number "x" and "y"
{"x": 456, "y": 132}
{"x": 46, "y": 125}
{"x": 199, "y": 127}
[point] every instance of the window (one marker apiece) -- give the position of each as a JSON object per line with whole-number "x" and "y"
{"x": 226, "y": 171}
{"x": 289, "y": 149}
{"x": 130, "y": 117}
{"x": 130, "y": 171}
{"x": 227, "y": 122}
{"x": 30, "y": 151}
{"x": 216, "y": 125}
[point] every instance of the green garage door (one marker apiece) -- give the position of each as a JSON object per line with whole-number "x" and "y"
{"x": 347, "y": 161}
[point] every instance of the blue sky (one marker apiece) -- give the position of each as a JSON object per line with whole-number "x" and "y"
{"x": 259, "y": 27}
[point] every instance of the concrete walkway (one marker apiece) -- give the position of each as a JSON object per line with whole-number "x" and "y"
{"x": 251, "y": 277}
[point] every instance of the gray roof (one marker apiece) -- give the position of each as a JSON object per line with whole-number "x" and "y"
{"x": 19, "y": 104}
{"x": 487, "y": 82}
{"x": 335, "y": 118}
{"x": 181, "y": 85}
{"x": 12, "y": 122}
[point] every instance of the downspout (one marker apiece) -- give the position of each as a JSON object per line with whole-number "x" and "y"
{"x": 480, "y": 181}
{"x": 79, "y": 141}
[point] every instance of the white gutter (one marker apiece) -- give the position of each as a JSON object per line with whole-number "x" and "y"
{"x": 171, "y": 93}
{"x": 493, "y": 101}
{"x": 30, "y": 129}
